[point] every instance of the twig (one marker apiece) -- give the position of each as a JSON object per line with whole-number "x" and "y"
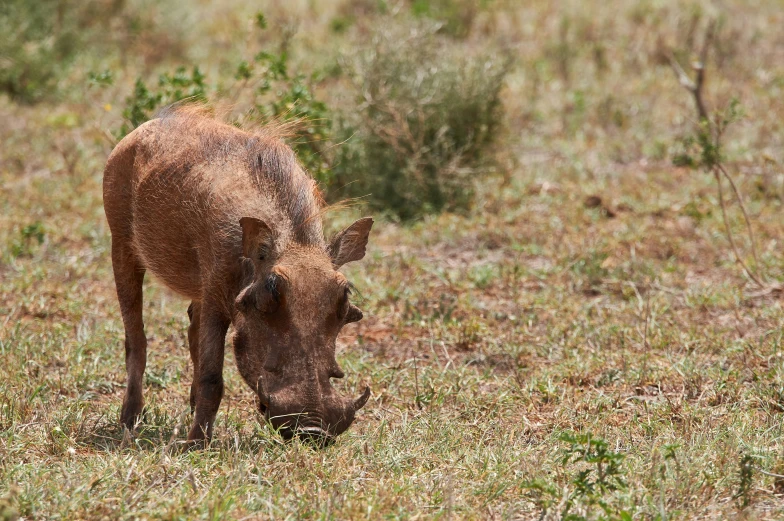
{"x": 730, "y": 236}
{"x": 105, "y": 134}
{"x": 771, "y": 474}
{"x": 745, "y": 214}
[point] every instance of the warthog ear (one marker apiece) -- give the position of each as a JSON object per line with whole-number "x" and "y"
{"x": 246, "y": 300}
{"x": 263, "y": 296}
{"x": 256, "y": 237}
{"x": 349, "y": 245}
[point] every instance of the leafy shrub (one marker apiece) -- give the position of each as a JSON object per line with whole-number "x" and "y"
{"x": 284, "y": 96}
{"x": 28, "y": 236}
{"x": 424, "y": 125}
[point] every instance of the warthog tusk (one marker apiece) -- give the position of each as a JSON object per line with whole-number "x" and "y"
{"x": 362, "y": 400}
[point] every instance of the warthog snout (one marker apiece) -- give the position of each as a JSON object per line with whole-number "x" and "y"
{"x": 319, "y": 427}
{"x": 320, "y": 437}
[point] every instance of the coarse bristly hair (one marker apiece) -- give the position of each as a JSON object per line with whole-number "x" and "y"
{"x": 271, "y": 162}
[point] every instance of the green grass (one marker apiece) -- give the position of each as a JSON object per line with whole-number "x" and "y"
{"x": 489, "y": 337}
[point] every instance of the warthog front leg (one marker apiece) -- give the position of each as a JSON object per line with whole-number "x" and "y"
{"x": 128, "y": 277}
{"x": 193, "y": 344}
{"x": 209, "y": 381}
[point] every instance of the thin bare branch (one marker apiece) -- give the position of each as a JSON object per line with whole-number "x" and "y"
{"x": 745, "y": 214}
{"x": 730, "y": 236}
{"x": 680, "y": 74}
{"x": 696, "y": 86}
{"x": 699, "y": 69}
{"x": 710, "y": 32}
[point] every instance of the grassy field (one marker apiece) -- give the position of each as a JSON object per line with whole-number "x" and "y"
{"x": 500, "y": 343}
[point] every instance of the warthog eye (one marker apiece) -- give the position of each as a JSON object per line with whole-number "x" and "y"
{"x": 348, "y": 312}
{"x": 271, "y": 285}
{"x": 270, "y": 299}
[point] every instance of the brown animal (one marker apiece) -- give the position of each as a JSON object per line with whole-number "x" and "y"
{"x": 229, "y": 219}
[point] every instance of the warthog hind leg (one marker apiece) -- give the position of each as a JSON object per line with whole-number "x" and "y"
{"x": 193, "y": 344}
{"x": 128, "y": 277}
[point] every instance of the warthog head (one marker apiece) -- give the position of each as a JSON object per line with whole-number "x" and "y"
{"x": 287, "y": 322}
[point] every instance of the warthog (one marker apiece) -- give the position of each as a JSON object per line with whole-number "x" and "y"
{"x": 229, "y": 219}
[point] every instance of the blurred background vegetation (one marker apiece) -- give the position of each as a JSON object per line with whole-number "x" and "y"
{"x": 396, "y": 109}
{"x": 407, "y": 105}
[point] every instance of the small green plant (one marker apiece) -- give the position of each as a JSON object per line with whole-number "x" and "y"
{"x": 599, "y": 473}
{"x": 590, "y": 270}
{"x": 28, "y": 236}
{"x": 469, "y": 334}
{"x": 483, "y": 275}
{"x": 745, "y": 481}
{"x": 101, "y": 79}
